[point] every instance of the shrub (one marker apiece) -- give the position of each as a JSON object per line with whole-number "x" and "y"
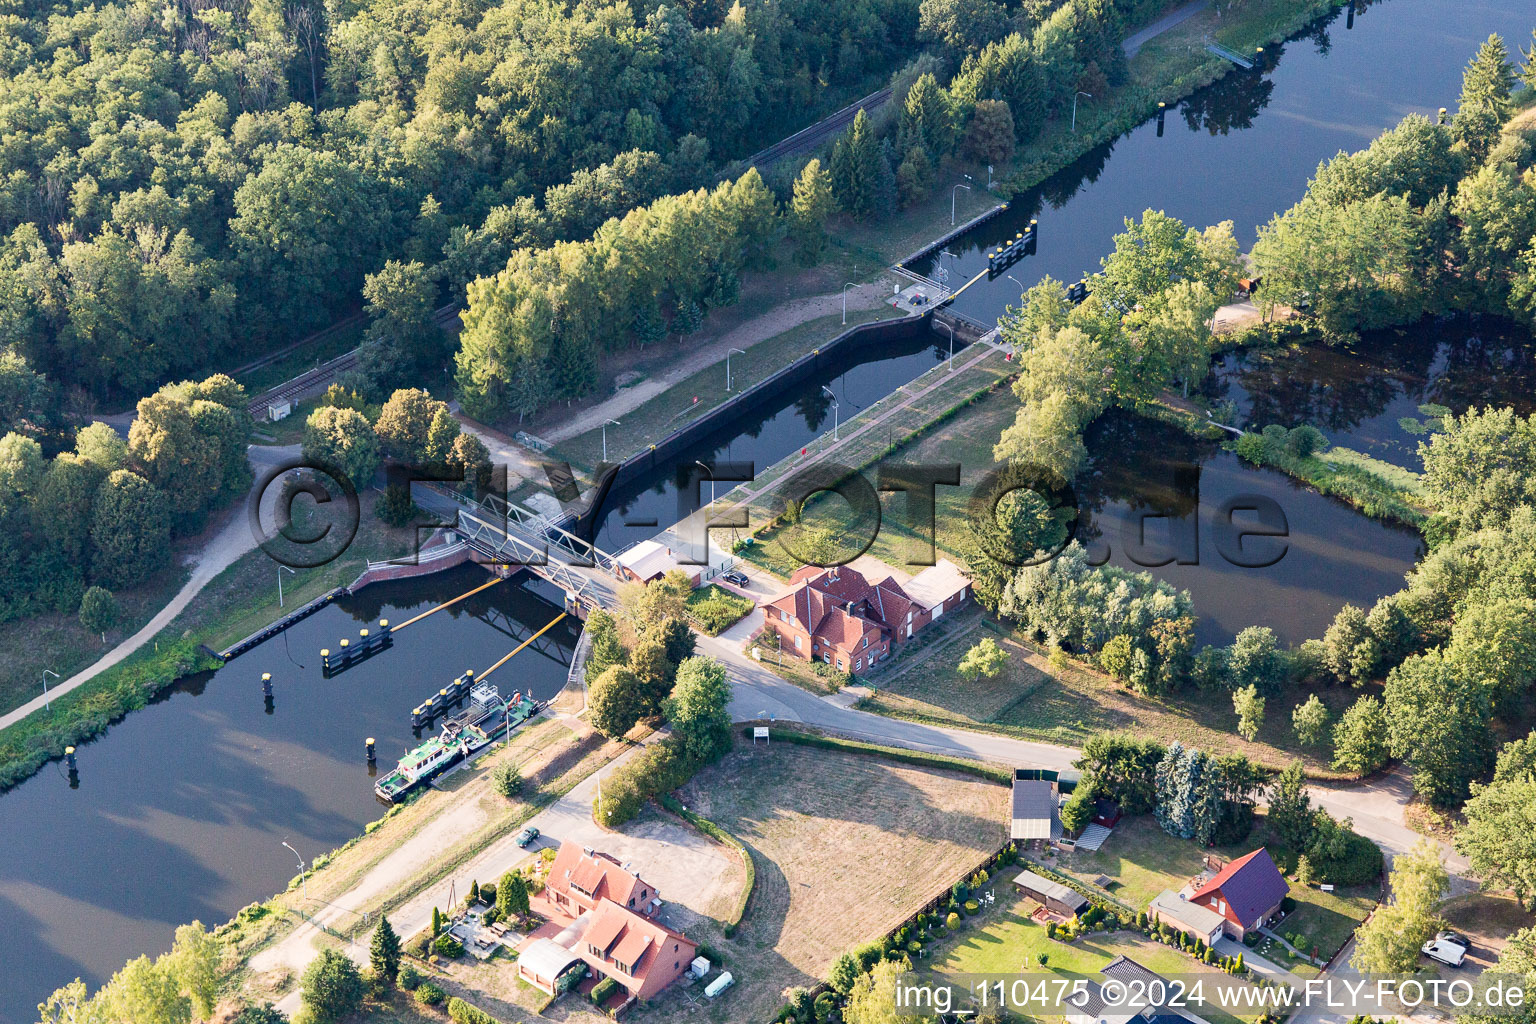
{"x": 506, "y": 779}
{"x": 952, "y": 922}
{"x": 429, "y": 994}
{"x": 1252, "y": 448}
{"x": 464, "y": 1013}
{"x": 659, "y": 768}
{"x": 448, "y": 946}
{"x": 602, "y": 991}
{"x": 1050, "y": 929}
{"x": 972, "y": 908}
{"x": 408, "y": 977}
{"x": 717, "y": 609}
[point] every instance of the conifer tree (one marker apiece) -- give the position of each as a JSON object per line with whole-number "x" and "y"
{"x": 384, "y": 951}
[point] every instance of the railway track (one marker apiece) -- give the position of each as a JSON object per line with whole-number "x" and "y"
{"x": 323, "y": 376}
{"x": 816, "y": 134}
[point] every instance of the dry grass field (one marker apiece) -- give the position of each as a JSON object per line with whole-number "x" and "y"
{"x": 845, "y": 848}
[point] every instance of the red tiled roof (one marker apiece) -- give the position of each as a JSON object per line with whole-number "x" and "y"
{"x": 821, "y": 601}
{"x": 605, "y": 927}
{"x": 597, "y": 874}
{"x": 1251, "y": 885}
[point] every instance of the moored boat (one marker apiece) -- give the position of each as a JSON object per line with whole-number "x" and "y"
{"x": 486, "y": 720}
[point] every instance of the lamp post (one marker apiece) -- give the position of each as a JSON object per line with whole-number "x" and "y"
{"x": 951, "y": 360}
{"x": 303, "y": 880}
{"x": 744, "y": 352}
{"x": 952, "y": 194}
{"x": 845, "y": 300}
{"x": 834, "y": 410}
{"x": 280, "y": 569}
{"x": 46, "y": 673}
{"x": 711, "y": 473}
{"x": 618, "y": 424}
{"x": 1074, "y": 108}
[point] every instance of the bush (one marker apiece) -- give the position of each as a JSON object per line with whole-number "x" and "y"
{"x": 602, "y": 991}
{"x": 717, "y": 609}
{"x": 448, "y": 946}
{"x": 464, "y": 1013}
{"x": 408, "y": 977}
{"x": 506, "y": 779}
{"x": 972, "y": 908}
{"x": 429, "y": 994}
{"x": 952, "y": 922}
{"x": 659, "y": 768}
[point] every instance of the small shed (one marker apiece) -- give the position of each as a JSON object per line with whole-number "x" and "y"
{"x": 1052, "y": 895}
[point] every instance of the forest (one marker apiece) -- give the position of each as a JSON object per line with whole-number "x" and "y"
{"x": 185, "y": 185}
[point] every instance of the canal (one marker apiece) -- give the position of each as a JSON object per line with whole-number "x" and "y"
{"x": 182, "y": 806}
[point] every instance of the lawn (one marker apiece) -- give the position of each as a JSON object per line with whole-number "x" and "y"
{"x": 845, "y": 846}
{"x": 1325, "y": 920}
{"x": 57, "y": 642}
{"x": 1004, "y": 941}
{"x": 1141, "y": 860}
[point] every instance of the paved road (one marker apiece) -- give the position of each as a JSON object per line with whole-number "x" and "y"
{"x": 1376, "y": 805}
{"x": 1133, "y": 44}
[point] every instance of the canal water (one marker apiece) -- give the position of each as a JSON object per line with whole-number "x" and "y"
{"x": 182, "y": 806}
{"x": 1243, "y": 148}
{"x": 641, "y": 509}
{"x": 1153, "y": 498}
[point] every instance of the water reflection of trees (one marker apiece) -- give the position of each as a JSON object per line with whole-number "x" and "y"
{"x": 1232, "y": 103}
{"x": 1143, "y": 466}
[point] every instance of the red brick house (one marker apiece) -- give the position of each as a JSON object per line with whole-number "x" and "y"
{"x": 1246, "y": 893}
{"x": 580, "y": 879}
{"x": 640, "y": 954}
{"x": 839, "y": 617}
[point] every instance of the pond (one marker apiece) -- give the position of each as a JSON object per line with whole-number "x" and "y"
{"x": 1371, "y": 396}
{"x": 182, "y": 806}
{"x": 1156, "y": 499}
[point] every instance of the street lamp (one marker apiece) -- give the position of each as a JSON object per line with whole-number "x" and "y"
{"x": 303, "y": 881}
{"x": 1074, "y": 108}
{"x": 952, "y": 194}
{"x": 950, "y": 361}
{"x": 834, "y": 410}
{"x": 618, "y": 424}
{"x": 845, "y": 300}
{"x": 728, "y": 363}
{"x": 711, "y": 473}
{"x": 280, "y": 569}
{"x": 46, "y": 673}
{"x": 956, "y": 259}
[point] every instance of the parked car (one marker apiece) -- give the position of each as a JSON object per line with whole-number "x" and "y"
{"x": 1447, "y": 948}
{"x": 527, "y": 836}
{"x": 735, "y": 579}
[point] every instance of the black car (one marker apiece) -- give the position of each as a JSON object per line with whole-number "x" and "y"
{"x": 735, "y": 579}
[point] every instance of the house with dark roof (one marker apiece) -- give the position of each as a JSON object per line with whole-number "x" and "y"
{"x": 1135, "y": 983}
{"x": 838, "y": 616}
{"x": 1247, "y": 893}
{"x": 579, "y": 879}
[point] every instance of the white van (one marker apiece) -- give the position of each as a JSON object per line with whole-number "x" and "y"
{"x": 1447, "y": 948}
